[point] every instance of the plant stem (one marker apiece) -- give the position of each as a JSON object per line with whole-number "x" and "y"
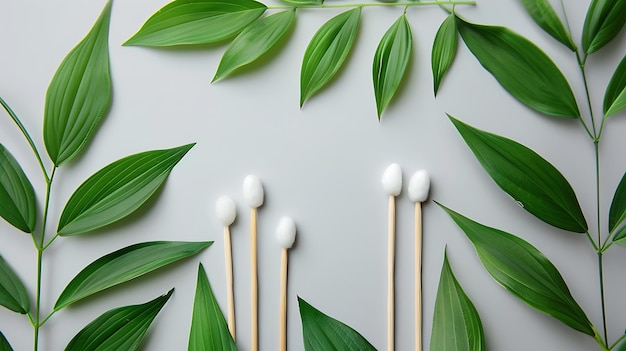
{"x": 601, "y": 277}
{"x": 378, "y": 4}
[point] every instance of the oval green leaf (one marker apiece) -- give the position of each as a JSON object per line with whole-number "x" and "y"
{"x": 121, "y": 328}
{"x": 18, "y": 204}
{"x": 456, "y": 323}
{"x": 534, "y": 183}
{"x": 524, "y": 271}
{"x": 321, "y": 332}
{"x": 544, "y": 15}
{"x": 617, "y": 211}
{"x": 79, "y": 94}
{"x": 525, "y": 71}
{"x": 117, "y": 190}
{"x": 391, "y": 59}
{"x": 444, "y": 50}
{"x": 124, "y": 265}
{"x": 254, "y": 41}
{"x": 190, "y": 22}
{"x": 13, "y": 294}
{"x": 327, "y": 52}
{"x": 604, "y": 20}
{"x": 208, "y": 326}
{"x": 4, "y": 343}
{"x": 615, "y": 95}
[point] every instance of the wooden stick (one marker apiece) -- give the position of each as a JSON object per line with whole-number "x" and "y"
{"x": 418, "y": 276}
{"x": 254, "y": 287}
{"x": 391, "y": 273}
{"x": 283, "y": 299}
{"x": 228, "y": 254}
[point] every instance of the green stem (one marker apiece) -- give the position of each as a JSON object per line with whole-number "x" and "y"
{"x": 379, "y": 4}
{"x": 618, "y": 341}
{"x": 601, "y": 277}
{"x": 581, "y": 64}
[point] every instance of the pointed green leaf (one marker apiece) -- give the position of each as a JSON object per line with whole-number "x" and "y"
{"x": 254, "y": 41}
{"x": 615, "y": 95}
{"x": 189, "y": 22}
{"x": 456, "y": 323}
{"x": 391, "y": 59}
{"x": 617, "y": 212}
{"x": 4, "y": 343}
{"x": 544, "y": 15}
{"x": 525, "y": 71}
{"x": 534, "y": 183}
{"x": 79, "y": 94}
{"x": 117, "y": 190}
{"x": 121, "y": 328}
{"x": 13, "y": 294}
{"x": 303, "y": 2}
{"x": 444, "y": 50}
{"x": 327, "y": 52}
{"x": 124, "y": 265}
{"x": 18, "y": 205}
{"x": 604, "y": 20}
{"x": 208, "y": 326}
{"x": 321, "y": 332}
{"x": 620, "y": 236}
{"x": 524, "y": 271}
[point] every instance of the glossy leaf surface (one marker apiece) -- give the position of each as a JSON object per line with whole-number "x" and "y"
{"x": 122, "y": 328}
{"x": 391, "y": 59}
{"x": 456, "y": 323}
{"x": 544, "y": 15}
{"x": 189, "y": 22}
{"x": 617, "y": 212}
{"x": 534, "y": 183}
{"x": 615, "y": 95}
{"x": 254, "y": 41}
{"x": 524, "y": 271}
{"x": 444, "y": 50}
{"x": 117, "y": 190}
{"x": 13, "y": 294}
{"x": 79, "y": 94}
{"x": 327, "y": 52}
{"x": 321, "y": 332}
{"x": 604, "y": 20}
{"x": 525, "y": 71}
{"x": 18, "y": 204}
{"x": 4, "y": 343}
{"x": 124, "y": 265}
{"x": 209, "y": 330}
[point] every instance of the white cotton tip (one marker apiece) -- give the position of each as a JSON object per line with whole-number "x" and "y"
{"x": 226, "y": 210}
{"x": 392, "y": 179}
{"x": 419, "y": 185}
{"x": 253, "y": 191}
{"x": 286, "y": 232}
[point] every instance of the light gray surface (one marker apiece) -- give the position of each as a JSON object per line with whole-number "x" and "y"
{"x": 320, "y": 164}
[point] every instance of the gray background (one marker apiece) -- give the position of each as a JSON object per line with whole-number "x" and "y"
{"x": 320, "y": 164}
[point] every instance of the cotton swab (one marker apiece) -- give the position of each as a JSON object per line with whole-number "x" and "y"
{"x": 253, "y": 195}
{"x": 419, "y": 185}
{"x": 226, "y": 213}
{"x": 392, "y": 184}
{"x": 285, "y": 235}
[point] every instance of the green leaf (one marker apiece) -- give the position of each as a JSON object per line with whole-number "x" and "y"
{"x": 544, "y": 15}
{"x": 604, "y": 20}
{"x": 303, "y": 2}
{"x": 391, "y": 59}
{"x": 621, "y": 346}
{"x": 615, "y": 95}
{"x": 456, "y": 323}
{"x": 534, "y": 183}
{"x": 525, "y": 71}
{"x": 79, "y": 94}
{"x": 117, "y": 190}
{"x": 124, "y": 265}
{"x": 254, "y": 41}
{"x": 327, "y": 52}
{"x": 524, "y": 271}
{"x": 620, "y": 236}
{"x": 121, "y": 328}
{"x": 617, "y": 212}
{"x": 4, "y": 343}
{"x": 208, "y": 326}
{"x": 189, "y": 22}
{"x": 18, "y": 205}
{"x": 321, "y": 332}
{"x": 13, "y": 294}
{"x": 444, "y": 50}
